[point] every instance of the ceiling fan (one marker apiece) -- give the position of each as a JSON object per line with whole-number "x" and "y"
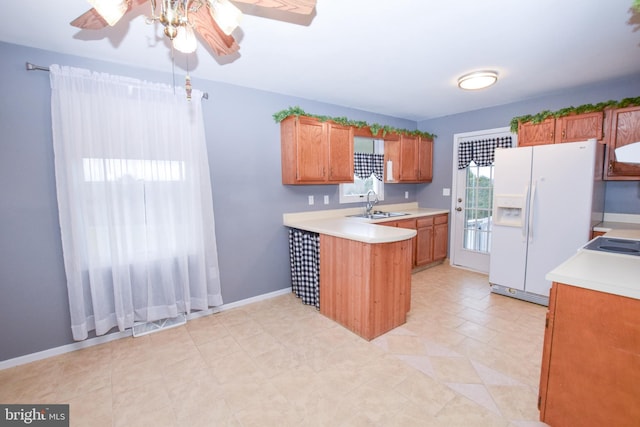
{"x": 212, "y": 20}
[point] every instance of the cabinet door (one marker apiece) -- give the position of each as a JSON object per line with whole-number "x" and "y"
{"x": 340, "y": 153}
{"x": 425, "y": 160}
{"x": 622, "y": 128}
{"x": 440, "y": 237}
{"x": 392, "y": 153}
{"x": 408, "y": 158}
{"x": 590, "y": 374}
{"x": 536, "y": 133}
{"x": 579, "y": 127}
{"x": 311, "y": 150}
{"x": 424, "y": 241}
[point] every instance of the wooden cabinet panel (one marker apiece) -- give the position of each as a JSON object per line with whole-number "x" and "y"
{"x": 340, "y": 153}
{"x": 408, "y": 158}
{"x": 425, "y": 160}
{"x": 424, "y": 245}
{"x": 315, "y": 152}
{"x": 412, "y": 158}
{"x": 432, "y": 238}
{"x": 536, "y": 133}
{"x": 579, "y": 127}
{"x": 441, "y": 239}
{"x": 590, "y": 372}
{"x": 392, "y": 153}
{"x": 365, "y": 287}
{"x": 622, "y": 128}
{"x": 311, "y": 151}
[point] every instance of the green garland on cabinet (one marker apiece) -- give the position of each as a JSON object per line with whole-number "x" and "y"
{"x": 375, "y": 127}
{"x": 582, "y": 109}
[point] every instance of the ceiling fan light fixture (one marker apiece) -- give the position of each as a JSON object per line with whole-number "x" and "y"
{"x": 478, "y": 80}
{"x": 110, "y": 10}
{"x": 226, "y": 15}
{"x": 185, "y": 41}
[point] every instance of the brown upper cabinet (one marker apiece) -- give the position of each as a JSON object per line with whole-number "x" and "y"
{"x": 315, "y": 152}
{"x": 571, "y": 128}
{"x": 622, "y": 127}
{"x": 536, "y": 133}
{"x": 411, "y": 157}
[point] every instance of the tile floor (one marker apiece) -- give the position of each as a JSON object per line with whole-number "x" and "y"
{"x": 465, "y": 357}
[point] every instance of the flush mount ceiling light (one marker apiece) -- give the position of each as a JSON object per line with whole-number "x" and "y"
{"x": 477, "y": 80}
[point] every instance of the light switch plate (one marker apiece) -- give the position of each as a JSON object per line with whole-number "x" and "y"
{"x": 326, "y": 199}
{"x": 446, "y": 191}
{"x": 311, "y": 200}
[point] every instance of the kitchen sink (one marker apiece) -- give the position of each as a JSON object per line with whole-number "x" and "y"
{"x": 378, "y": 215}
{"x": 615, "y": 245}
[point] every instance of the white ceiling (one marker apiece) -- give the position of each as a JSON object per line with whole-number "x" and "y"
{"x": 399, "y": 58}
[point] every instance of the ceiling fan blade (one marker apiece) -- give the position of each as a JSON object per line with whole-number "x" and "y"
{"x": 211, "y": 33}
{"x": 92, "y": 20}
{"x": 303, "y": 7}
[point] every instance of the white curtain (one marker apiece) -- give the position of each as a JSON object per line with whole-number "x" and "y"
{"x": 134, "y": 200}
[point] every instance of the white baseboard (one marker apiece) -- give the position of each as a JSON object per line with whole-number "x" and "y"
{"x": 33, "y": 357}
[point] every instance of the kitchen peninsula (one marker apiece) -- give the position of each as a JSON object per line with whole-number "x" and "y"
{"x": 365, "y": 265}
{"x": 591, "y": 358}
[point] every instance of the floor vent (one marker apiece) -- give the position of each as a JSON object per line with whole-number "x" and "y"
{"x": 144, "y": 328}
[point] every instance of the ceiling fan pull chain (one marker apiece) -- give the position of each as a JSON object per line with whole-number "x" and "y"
{"x": 173, "y": 69}
{"x": 187, "y": 82}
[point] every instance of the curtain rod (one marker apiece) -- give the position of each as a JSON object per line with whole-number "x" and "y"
{"x": 32, "y": 67}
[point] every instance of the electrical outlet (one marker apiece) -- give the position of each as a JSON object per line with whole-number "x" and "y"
{"x": 406, "y": 194}
{"x": 326, "y": 199}
{"x": 311, "y": 200}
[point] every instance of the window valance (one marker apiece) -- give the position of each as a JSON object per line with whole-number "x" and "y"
{"x": 366, "y": 164}
{"x": 481, "y": 151}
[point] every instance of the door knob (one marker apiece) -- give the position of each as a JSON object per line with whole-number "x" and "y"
{"x": 458, "y": 208}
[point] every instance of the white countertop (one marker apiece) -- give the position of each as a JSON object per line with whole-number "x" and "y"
{"x": 336, "y": 222}
{"x": 602, "y": 271}
{"x": 619, "y": 222}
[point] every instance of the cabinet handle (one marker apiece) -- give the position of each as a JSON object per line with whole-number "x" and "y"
{"x": 546, "y": 320}
{"x": 539, "y": 402}
{"x": 610, "y": 165}
{"x": 563, "y": 133}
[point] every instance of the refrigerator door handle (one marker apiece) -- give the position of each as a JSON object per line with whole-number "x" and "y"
{"x": 531, "y": 200}
{"x": 526, "y": 213}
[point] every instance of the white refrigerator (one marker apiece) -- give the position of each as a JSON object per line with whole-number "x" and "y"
{"x": 546, "y": 200}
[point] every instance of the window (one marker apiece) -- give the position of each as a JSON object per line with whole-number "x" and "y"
{"x": 356, "y": 192}
{"x": 478, "y": 208}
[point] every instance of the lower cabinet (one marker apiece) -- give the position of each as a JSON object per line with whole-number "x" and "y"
{"x": 365, "y": 287}
{"x": 590, "y": 373}
{"x": 431, "y": 242}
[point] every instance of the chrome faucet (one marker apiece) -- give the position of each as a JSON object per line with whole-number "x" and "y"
{"x": 370, "y": 204}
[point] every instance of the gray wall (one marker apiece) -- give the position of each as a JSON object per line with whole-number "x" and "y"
{"x": 244, "y": 153}
{"x": 249, "y": 200}
{"x": 621, "y": 197}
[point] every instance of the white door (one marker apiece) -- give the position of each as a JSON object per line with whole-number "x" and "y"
{"x": 472, "y": 205}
